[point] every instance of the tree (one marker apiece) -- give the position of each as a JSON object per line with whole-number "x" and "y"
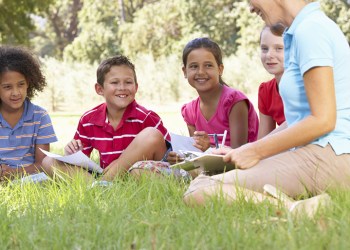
{"x": 215, "y": 19}
{"x": 339, "y": 12}
{"x": 128, "y": 8}
{"x": 154, "y": 34}
{"x": 98, "y": 28}
{"x": 16, "y": 20}
{"x": 177, "y": 22}
{"x": 60, "y": 27}
{"x": 248, "y": 28}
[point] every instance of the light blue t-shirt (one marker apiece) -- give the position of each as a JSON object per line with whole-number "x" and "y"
{"x": 314, "y": 40}
{"x": 17, "y": 144}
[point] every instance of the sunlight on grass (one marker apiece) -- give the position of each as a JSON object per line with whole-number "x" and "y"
{"x": 150, "y": 214}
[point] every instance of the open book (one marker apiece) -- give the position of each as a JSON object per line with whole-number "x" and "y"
{"x": 211, "y": 163}
{"x": 77, "y": 159}
{"x": 195, "y": 158}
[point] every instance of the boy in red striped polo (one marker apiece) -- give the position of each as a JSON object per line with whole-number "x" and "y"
{"x": 121, "y": 130}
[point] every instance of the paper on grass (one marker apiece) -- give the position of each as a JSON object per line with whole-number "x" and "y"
{"x": 33, "y": 178}
{"x": 78, "y": 159}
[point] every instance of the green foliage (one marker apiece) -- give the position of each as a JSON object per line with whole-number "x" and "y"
{"x": 58, "y": 28}
{"x": 69, "y": 86}
{"x": 161, "y": 81}
{"x": 249, "y": 28}
{"x": 88, "y": 30}
{"x": 214, "y": 19}
{"x": 16, "y": 19}
{"x": 128, "y": 8}
{"x": 151, "y": 33}
{"x": 339, "y": 12}
{"x": 238, "y": 72}
{"x": 98, "y": 28}
{"x": 176, "y": 23}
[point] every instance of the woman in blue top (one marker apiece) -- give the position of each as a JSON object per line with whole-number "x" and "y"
{"x": 310, "y": 154}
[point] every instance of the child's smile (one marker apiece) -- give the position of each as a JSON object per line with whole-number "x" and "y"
{"x": 119, "y": 88}
{"x": 13, "y": 91}
{"x": 272, "y": 54}
{"x": 202, "y": 70}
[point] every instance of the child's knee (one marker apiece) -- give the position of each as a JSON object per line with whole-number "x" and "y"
{"x": 48, "y": 164}
{"x": 151, "y": 132}
{"x": 150, "y": 135}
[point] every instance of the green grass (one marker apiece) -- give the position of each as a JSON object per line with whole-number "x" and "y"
{"x": 150, "y": 214}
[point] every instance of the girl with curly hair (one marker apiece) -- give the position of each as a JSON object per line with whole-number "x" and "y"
{"x": 24, "y": 127}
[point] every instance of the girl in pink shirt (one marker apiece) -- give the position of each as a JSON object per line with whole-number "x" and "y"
{"x": 218, "y": 107}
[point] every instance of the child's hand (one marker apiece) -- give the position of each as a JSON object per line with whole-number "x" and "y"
{"x": 73, "y": 146}
{"x": 174, "y": 158}
{"x": 201, "y": 140}
{"x": 6, "y": 170}
{"x": 221, "y": 151}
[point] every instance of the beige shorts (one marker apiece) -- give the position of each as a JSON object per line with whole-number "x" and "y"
{"x": 311, "y": 169}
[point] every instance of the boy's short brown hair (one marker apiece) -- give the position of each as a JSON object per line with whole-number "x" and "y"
{"x": 105, "y": 67}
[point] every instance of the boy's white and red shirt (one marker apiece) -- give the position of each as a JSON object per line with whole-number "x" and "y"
{"x": 95, "y": 132}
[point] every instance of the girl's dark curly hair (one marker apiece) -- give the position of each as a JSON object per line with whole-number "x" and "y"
{"x": 23, "y": 61}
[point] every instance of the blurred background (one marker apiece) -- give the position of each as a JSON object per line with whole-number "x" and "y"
{"x": 71, "y": 37}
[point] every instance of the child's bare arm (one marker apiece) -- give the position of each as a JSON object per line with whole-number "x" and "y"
{"x": 239, "y": 124}
{"x": 267, "y": 124}
{"x": 36, "y": 167}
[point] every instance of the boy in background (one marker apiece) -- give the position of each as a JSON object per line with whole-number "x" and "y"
{"x": 121, "y": 130}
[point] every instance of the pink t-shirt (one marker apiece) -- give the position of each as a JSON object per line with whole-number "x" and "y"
{"x": 270, "y": 102}
{"x": 220, "y": 121}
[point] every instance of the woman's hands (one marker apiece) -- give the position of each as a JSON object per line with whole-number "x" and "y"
{"x": 73, "y": 146}
{"x": 243, "y": 157}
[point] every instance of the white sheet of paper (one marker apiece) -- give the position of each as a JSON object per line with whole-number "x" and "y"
{"x": 78, "y": 159}
{"x": 183, "y": 143}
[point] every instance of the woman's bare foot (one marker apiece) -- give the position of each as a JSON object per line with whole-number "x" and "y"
{"x": 308, "y": 206}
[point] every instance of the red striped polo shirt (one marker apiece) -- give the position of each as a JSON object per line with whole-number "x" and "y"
{"x": 95, "y": 132}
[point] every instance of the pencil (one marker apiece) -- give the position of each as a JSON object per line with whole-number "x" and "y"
{"x": 216, "y": 134}
{"x": 224, "y": 138}
{"x": 216, "y": 140}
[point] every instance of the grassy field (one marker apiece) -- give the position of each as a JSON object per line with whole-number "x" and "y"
{"x": 150, "y": 214}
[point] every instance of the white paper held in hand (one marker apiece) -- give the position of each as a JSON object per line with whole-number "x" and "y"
{"x": 77, "y": 159}
{"x": 182, "y": 143}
